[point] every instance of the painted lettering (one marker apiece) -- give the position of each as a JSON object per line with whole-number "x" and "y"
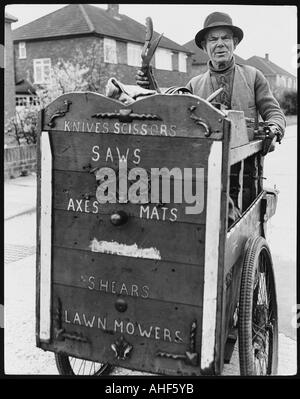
{"x": 71, "y": 205}
{"x": 77, "y": 319}
{"x": 79, "y": 209}
{"x": 109, "y": 155}
{"x": 66, "y": 317}
{"x": 95, "y": 207}
{"x": 95, "y": 151}
{"x": 92, "y": 282}
{"x": 118, "y": 325}
{"x": 105, "y": 127}
{"x": 98, "y": 127}
{"x": 130, "y": 328}
{"x": 67, "y": 126}
{"x": 88, "y": 323}
{"x": 117, "y": 127}
{"x": 178, "y": 337}
{"x": 136, "y": 153}
{"x": 89, "y": 127}
{"x": 102, "y": 323}
{"x": 143, "y": 332}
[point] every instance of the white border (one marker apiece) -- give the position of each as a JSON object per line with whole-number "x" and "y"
{"x": 45, "y": 237}
{"x": 214, "y": 184}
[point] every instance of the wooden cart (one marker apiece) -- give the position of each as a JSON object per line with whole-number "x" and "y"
{"x": 160, "y": 287}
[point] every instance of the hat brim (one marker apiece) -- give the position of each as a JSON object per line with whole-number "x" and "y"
{"x": 199, "y": 38}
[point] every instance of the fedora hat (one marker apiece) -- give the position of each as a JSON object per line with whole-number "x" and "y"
{"x": 217, "y": 20}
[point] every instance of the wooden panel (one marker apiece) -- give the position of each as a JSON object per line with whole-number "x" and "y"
{"x": 248, "y": 226}
{"x": 178, "y": 242}
{"x": 239, "y": 153}
{"x": 84, "y": 152}
{"x": 138, "y": 278}
{"x": 77, "y": 111}
{"x": 143, "y": 325}
{"x": 76, "y": 191}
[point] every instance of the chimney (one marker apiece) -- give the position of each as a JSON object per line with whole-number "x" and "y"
{"x": 267, "y": 57}
{"x": 113, "y": 9}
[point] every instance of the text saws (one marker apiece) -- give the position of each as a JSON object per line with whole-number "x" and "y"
{"x": 121, "y": 326}
{"x": 146, "y": 211}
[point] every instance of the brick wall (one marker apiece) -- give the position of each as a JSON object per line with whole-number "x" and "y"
{"x": 9, "y": 75}
{"x": 19, "y": 160}
{"x": 67, "y": 48}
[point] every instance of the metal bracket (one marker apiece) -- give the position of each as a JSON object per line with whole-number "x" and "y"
{"x": 199, "y": 121}
{"x": 121, "y": 348}
{"x": 60, "y": 113}
{"x": 190, "y": 357}
{"x": 126, "y": 115}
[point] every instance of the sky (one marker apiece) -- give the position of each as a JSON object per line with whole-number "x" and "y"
{"x": 267, "y": 29}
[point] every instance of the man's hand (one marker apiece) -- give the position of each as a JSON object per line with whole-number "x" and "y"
{"x": 272, "y": 135}
{"x": 142, "y": 79}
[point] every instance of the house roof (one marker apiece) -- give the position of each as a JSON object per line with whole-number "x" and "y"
{"x": 82, "y": 19}
{"x": 10, "y": 18}
{"x": 24, "y": 87}
{"x": 267, "y": 67}
{"x": 200, "y": 57}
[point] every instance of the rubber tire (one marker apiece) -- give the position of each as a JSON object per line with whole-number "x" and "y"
{"x": 255, "y": 247}
{"x": 64, "y": 366}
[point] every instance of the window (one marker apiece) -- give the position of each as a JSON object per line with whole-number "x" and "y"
{"x": 42, "y": 70}
{"x": 22, "y": 50}
{"x": 134, "y": 52}
{"x": 110, "y": 51}
{"x": 163, "y": 59}
{"x": 26, "y": 100}
{"x": 182, "y": 62}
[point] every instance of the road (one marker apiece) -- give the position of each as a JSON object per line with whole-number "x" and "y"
{"x": 21, "y": 354}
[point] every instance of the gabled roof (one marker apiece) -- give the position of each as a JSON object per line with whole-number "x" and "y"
{"x": 200, "y": 57}
{"x": 10, "y": 18}
{"x": 84, "y": 19}
{"x": 267, "y": 67}
{"x": 24, "y": 87}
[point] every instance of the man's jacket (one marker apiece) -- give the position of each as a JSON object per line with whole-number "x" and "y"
{"x": 250, "y": 93}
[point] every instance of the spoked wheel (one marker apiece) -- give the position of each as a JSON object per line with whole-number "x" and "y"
{"x": 258, "y": 323}
{"x": 68, "y": 365}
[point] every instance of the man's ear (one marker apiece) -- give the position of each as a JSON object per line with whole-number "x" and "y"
{"x": 235, "y": 42}
{"x": 203, "y": 44}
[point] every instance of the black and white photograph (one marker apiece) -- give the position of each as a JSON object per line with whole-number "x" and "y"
{"x": 150, "y": 192}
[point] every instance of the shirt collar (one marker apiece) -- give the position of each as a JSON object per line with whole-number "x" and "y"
{"x": 228, "y": 68}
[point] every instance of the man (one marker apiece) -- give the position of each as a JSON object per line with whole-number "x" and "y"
{"x": 244, "y": 87}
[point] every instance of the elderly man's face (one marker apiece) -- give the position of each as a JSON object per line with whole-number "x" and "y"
{"x": 220, "y": 45}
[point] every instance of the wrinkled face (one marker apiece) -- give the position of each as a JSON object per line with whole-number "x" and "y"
{"x": 220, "y": 45}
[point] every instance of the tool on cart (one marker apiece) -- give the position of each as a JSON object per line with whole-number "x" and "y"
{"x": 148, "y": 52}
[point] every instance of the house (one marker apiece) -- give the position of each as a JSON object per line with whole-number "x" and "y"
{"x": 200, "y": 59}
{"x": 278, "y": 78}
{"x": 111, "y": 41}
{"x": 9, "y": 74}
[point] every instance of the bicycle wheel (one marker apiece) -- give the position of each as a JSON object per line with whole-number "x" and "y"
{"x": 258, "y": 322}
{"x": 68, "y": 365}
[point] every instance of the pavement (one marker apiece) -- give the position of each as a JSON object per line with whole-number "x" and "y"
{"x": 20, "y": 196}
{"x": 21, "y": 354}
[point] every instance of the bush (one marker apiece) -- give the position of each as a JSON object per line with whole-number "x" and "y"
{"x": 23, "y": 126}
{"x": 288, "y": 102}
